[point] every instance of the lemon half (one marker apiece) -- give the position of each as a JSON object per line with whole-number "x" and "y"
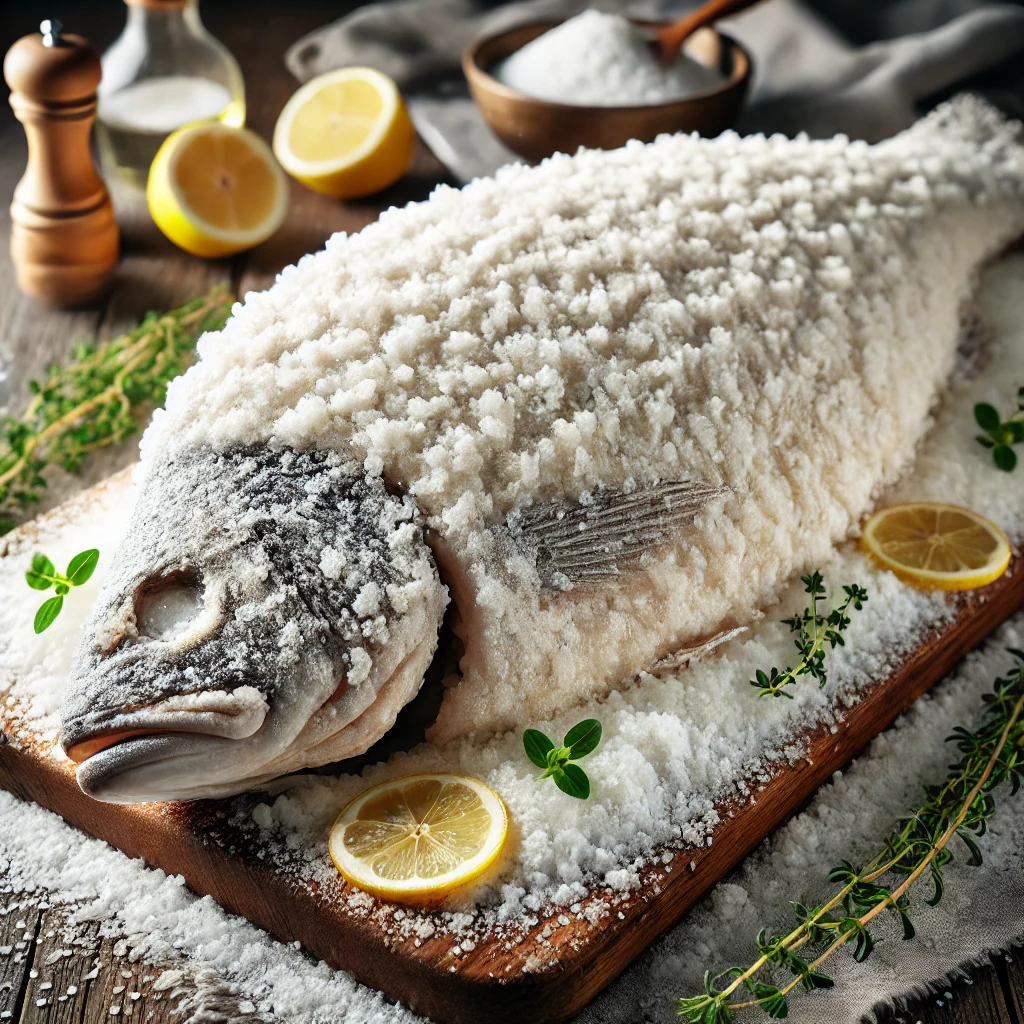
{"x": 930, "y": 544}
{"x": 216, "y": 190}
{"x": 418, "y": 838}
{"x": 346, "y": 133}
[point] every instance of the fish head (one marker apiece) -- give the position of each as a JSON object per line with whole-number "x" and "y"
{"x": 267, "y": 611}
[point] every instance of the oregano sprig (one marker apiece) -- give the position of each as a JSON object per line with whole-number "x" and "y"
{"x": 919, "y": 846}
{"x": 43, "y": 576}
{"x": 814, "y": 630}
{"x": 95, "y": 399}
{"x": 579, "y": 741}
{"x": 1000, "y": 434}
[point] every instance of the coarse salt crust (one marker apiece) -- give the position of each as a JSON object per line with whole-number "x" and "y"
{"x": 774, "y": 315}
{"x": 673, "y": 747}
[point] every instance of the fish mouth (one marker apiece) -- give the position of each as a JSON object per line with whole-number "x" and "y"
{"x": 144, "y": 767}
{"x": 110, "y": 743}
{"x": 140, "y": 756}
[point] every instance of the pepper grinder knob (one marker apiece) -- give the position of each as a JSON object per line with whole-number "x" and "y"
{"x": 64, "y": 239}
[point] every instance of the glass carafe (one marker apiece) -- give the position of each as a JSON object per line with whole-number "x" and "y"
{"x": 164, "y": 71}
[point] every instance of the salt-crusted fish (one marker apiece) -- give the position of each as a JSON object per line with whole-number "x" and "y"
{"x": 605, "y": 406}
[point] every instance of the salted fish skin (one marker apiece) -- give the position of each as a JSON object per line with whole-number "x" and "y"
{"x": 775, "y": 318}
{"x": 285, "y": 635}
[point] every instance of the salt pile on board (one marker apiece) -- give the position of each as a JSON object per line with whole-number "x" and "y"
{"x": 600, "y": 60}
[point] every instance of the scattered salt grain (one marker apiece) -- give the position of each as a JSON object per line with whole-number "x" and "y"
{"x": 599, "y": 59}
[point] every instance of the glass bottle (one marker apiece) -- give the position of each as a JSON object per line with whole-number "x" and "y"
{"x": 164, "y": 70}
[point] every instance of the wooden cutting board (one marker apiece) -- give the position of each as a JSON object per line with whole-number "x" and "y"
{"x": 542, "y": 973}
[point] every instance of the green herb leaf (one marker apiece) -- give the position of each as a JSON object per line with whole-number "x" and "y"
{"x": 40, "y": 576}
{"x": 772, "y": 1001}
{"x": 968, "y": 840}
{"x": 572, "y": 779}
{"x": 583, "y": 737}
{"x": 815, "y": 629}
{"x": 999, "y": 433}
{"x": 1004, "y": 457}
{"x": 987, "y": 416}
{"x": 82, "y": 566}
{"x": 48, "y": 611}
{"x": 579, "y": 741}
{"x": 98, "y": 397}
{"x": 991, "y": 754}
{"x": 537, "y": 746}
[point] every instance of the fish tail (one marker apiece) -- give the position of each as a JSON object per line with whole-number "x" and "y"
{"x": 971, "y": 132}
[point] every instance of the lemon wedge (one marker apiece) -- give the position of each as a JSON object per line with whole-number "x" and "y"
{"x": 418, "y": 838}
{"x": 346, "y": 133}
{"x": 216, "y": 190}
{"x": 938, "y": 546}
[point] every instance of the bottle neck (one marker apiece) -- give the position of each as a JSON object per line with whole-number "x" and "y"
{"x": 164, "y": 12}
{"x": 161, "y": 5}
{"x": 165, "y": 19}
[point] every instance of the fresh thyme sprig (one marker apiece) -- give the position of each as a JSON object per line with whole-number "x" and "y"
{"x": 919, "y": 845}
{"x": 814, "y": 630}
{"x": 94, "y": 399}
{"x": 999, "y": 433}
{"x": 43, "y": 575}
{"x": 579, "y": 741}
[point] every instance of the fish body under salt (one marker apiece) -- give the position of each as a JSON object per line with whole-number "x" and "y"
{"x": 604, "y": 408}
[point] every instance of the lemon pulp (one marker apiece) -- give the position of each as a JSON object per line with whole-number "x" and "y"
{"x": 346, "y": 133}
{"x": 937, "y": 545}
{"x": 420, "y": 837}
{"x": 215, "y": 190}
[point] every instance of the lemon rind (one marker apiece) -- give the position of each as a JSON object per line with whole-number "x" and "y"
{"x": 967, "y": 579}
{"x": 163, "y": 178}
{"x": 302, "y": 169}
{"x": 418, "y": 890}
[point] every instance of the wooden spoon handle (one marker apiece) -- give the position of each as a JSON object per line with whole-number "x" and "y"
{"x": 672, "y": 37}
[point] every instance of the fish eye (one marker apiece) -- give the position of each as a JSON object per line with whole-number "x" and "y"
{"x": 166, "y": 607}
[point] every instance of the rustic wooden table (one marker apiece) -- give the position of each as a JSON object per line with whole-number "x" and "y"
{"x": 45, "y": 977}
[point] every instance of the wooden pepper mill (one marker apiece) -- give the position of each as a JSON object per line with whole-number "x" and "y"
{"x": 64, "y": 238}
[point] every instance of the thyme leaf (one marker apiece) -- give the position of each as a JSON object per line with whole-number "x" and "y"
{"x": 814, "y": 630}
{"x": 96, "y": 398}
{"x": 919, "y": 845}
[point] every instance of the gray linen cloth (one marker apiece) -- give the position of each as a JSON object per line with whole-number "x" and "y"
{"x": 807, "y": 77}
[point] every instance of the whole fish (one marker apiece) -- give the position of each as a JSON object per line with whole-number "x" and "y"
{"x": 603, "y": 407}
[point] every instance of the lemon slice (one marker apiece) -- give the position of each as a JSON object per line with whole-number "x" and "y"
{"x": 346, "y": 133}
{"x": 939, "y": 546}
{"x": 216, "y": 190}
{"x": 418, "y": 838}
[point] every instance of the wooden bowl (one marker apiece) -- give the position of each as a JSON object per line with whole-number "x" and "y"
{"x": 536, "y": 128}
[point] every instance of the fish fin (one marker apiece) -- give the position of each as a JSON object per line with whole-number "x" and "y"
{"x": 595, "y": 541}
{"x": 686, "y": 655}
